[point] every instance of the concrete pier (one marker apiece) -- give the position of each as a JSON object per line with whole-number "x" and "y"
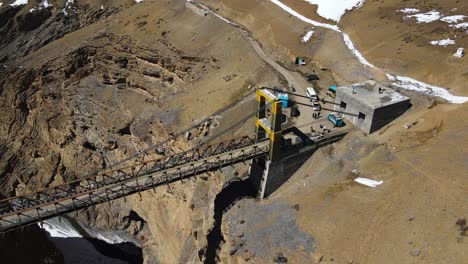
{"x": 267, "y": 176}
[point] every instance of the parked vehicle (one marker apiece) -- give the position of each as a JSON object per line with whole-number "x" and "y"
{"x": 332, "y": 91}
{"x": 311, "y": 94}
{"x": 316, "y": 106}
{"x": 312, "y": 77}
{"x": 300, "y": 61}
{"x": 336, "y": 119}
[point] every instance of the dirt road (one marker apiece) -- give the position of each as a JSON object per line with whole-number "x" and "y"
{"x": 295, "y": 81}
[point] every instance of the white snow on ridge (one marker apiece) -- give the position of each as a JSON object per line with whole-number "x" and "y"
{"x": 19, "y": 2}
{"x": 399, "y": 81}
{"x": 426, "y": 17}
{"x": 415, "y": 85}
{"x": 356, "y": 52}
{"x": 443, "y": 42}
{"x": 453, "y": 19}
{"x": 303, "y": 18}
{"x": 409, "y": 10}
{"x": 307, "y": 36}
{"x": 334, "y": 9}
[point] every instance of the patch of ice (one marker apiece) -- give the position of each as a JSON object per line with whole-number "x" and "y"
{"x": 443, "y": 42}
{"x": 60, "y": 229}
{"x": 334, "y": 9}
{"x": 409, "y": 10}
{"x": 307, "y": 36}
{"x": 453, "y": 19}
{"x": 461, "y": 25}
{"x": 368, "y": 182}
{"x": 426, "y": 17}
{"x": 19, "y": 2}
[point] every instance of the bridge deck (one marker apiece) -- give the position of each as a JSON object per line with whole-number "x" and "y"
{"x": 44, "y": 204}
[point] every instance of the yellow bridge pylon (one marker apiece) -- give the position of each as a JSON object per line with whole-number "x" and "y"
{"x": 268, "y": 121}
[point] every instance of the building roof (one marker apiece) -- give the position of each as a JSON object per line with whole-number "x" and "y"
{"x": 368, "y": 93}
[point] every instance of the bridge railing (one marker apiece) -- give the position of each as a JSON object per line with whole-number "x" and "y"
{"x": 140, "y": 183}
{"x": 57, "y": 194}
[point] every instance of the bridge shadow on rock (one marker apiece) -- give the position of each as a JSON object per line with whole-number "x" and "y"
{"x": 232, "y": 193}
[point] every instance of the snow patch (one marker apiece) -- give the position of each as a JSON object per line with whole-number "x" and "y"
{"x": 432, "y": 90}
{"x": 1, "y": 4}
{"x": 307, "y": 36}
{"x": 426, "y": 17}
{"x": 453, "y": 19}
{"x": 368, "y": 182}
{"x": 46, "y": 4}
{"x": 356, "y": 52}
{"x": 399, "y": 81}
{"x": 461, "y": 25}
{"x": 303, "y": 18}
{"x": 443, "y": 42}
{"x": 61, "y": 229}
{"x": 19, "y": 2}
{"x": 409, "y": 10}
{"x": 335, "y": 9}
{"x": 138, "y": 1}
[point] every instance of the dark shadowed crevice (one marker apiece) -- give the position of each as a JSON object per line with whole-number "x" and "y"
{"x": 224, "y": 200}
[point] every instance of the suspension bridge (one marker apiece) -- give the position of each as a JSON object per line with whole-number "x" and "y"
{"x": 34, "y": 207}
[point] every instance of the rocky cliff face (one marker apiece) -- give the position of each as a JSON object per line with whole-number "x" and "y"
{"x": 83, "y": 87}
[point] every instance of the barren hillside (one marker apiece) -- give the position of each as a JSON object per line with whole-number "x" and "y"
{"x": 88, "y": 84}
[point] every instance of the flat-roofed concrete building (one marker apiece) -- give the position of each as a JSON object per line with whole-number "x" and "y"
{"x": 369, "y": 105}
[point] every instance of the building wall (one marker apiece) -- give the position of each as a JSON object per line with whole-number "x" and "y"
{"x": 385, "y": 115}
{"x": 353, "y": 107}
{"x": 375, "y": 118}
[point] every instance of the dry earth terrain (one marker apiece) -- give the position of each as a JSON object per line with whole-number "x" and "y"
{"x": 85, "y": 88}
